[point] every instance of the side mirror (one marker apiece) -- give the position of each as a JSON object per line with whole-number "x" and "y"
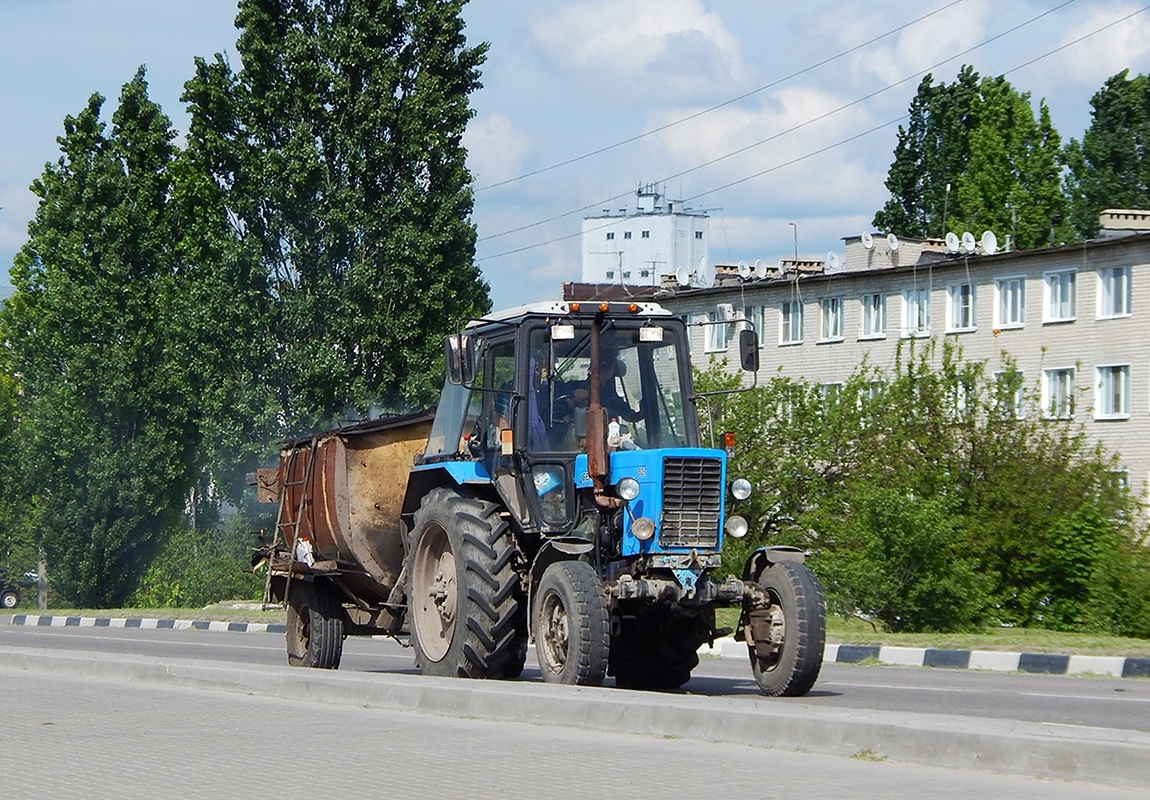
{"x": 459, "y": 355}
{"x": 749, "y": 350}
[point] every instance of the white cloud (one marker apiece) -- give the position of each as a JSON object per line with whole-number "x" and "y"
{"x": 658, "y": 46}
{"x": 919, "y": 47}
{"x": 1122, "y": 46}
{"x": 496, "y": 148}
{"x": 781, "y": 139}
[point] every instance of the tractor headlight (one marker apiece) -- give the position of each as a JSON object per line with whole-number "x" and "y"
{"x": 628, "y": 489}
{"x": 737, "y": 527}
{"x": 642, "y": 528}
{"x": 740, "y": 488}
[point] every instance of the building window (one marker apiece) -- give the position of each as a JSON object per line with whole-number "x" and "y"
{"x": 644, "y": 273}
{"x": 718, "y": 333}
{"x": 1010, "y": 302}
{"x": 626, "y": 234}
{"x": 1114, "y": 292}
{"x": 1061, "y": 296}
{"x": 1058, "y": 393}
{"x": 757, "y": 317}
{"x": 627, "y": 274}
{"x": 873, "y": 316}
{"x": 791, "y": 322}
{"x": 645, "y": 235}
{"x": 1010, "y": 393}
{"x": 916, "y": 312}
{"x": 610, "y": 235}
{"x": 610, "y": 274}
{"x": 829, "y": 392}
{"x": 960, "y": 311}
{"x": 698, "y": 234}
{"x": 832, "y": 316}
{"x": 1112, "y": 392}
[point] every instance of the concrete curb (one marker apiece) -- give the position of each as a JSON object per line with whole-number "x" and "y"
{"x": 1038, "y": 663}
{"x": 1050, "y": 751}
{"x": 145, "y": 624}
{"x": 1043, "y": 663}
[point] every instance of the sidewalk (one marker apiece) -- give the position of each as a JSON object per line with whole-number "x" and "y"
{"x": 1042, "y": 663}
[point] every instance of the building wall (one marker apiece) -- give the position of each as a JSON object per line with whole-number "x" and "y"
{"x": 639, "y": 249}
{"x": 1084, "y": 342}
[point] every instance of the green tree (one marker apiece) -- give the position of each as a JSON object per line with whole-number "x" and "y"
{"x": 932, "y": 152}
{"x": 931, "y": 503}
{"x": 1110, "y": 167}
{"x": 338, "y": 145}
{"x": 973, "y": 156}
{"x": 110, "y": 417}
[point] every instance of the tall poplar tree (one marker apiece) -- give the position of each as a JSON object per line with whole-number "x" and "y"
{"x": 338, "y": 145}
{"x": 972, "y": 157}
{"x": 1110, "y": 167}
{"x": 108, "y": 422}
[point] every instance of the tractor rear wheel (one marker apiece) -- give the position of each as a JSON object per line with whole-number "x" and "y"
{"x": 314, "y": 626}
{"x": 465, "y": 608}
{"x": 571, "y": 625}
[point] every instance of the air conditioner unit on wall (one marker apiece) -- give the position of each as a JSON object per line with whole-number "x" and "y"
{"x": 726, "y": 311}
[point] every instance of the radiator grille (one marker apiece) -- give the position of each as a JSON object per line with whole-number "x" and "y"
{"x": 692, "y": 502}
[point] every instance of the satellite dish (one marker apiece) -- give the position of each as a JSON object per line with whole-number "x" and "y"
{"x": 760, "y": 268}
{"x": 989, "y": 243}
{"x": 867, "y": 240}
{"x": 952, "y": 242}
{"x": 968, "y": 242}
{"x": 706, "y": 273}
{"x": 782, "y": 265}
{"x": 682, "y": 276}
{"x": 832, "y": 261}
{"x": 892, "y": 242}
{"x": 744, "y": 270}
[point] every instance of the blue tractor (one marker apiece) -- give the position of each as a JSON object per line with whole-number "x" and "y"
{"x": 564, "y": 497}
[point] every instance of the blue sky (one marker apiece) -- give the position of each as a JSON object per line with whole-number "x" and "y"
{"x": 808, "y": 142}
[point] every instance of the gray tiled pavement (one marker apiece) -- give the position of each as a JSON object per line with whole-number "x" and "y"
{"x": 67, "y": 736}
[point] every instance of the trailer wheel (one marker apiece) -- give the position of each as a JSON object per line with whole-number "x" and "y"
{"x": 465, "y": 607}
{"x": 653, "y": 652}
{"x": 314, "y": 627}
{"x": 790, "y": 634}
{"x": 571, "y": 625}
{"x": 9, "y": 599}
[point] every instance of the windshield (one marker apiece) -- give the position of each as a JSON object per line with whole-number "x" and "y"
{"x": 640, "y": 388}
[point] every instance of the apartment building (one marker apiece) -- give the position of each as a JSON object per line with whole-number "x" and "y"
{"x": 1075, "y": 317}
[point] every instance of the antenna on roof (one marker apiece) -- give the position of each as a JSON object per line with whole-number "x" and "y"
{"x": 706, "y": 274}
{"x": 744, "y": 270}
{"x": 968, "y": 243}
{"x": 952, "y": 242}
{"x": 832, "y": 261}
{"x": 867, "y": 240}
{"x": 760, "y": 268}
{"x": 892, "y": 242}
{"x": 683, "y": 276}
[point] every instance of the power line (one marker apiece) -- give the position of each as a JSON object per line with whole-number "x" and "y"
{"x": 724, "y": 104}
{"x": 793, "y": 128}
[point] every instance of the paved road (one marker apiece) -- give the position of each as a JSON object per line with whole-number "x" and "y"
{"x": 1122, "y": 704}
{"x": 72, "y": 737}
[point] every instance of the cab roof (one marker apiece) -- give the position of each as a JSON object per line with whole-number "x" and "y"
{"x": 554, "y": 308}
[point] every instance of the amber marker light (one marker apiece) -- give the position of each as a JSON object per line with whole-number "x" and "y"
{"x": 604, "y": 307}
